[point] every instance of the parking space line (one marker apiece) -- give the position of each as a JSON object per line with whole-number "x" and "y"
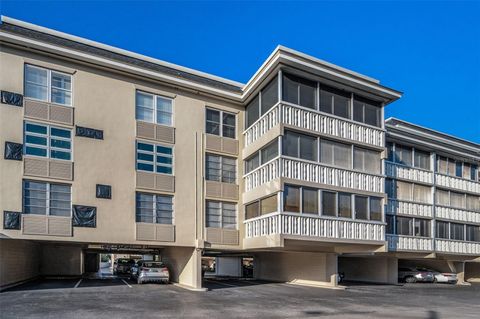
{"x": 78, "y": 283}
{"x": 126, "y": 283}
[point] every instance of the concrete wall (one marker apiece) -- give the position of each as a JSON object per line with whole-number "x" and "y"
{"x": 369, "y": 269}
{"x": 184, "y": 265}
{"x": 19, "y": 261}
{"x": 472, "y": 271}
{"x": 315, "y": 268}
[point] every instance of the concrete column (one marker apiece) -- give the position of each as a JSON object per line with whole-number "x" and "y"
{"x": 458, "y": 267}
{"x": 185, "y": 266}
{"x": 331, "y": 268}
{"x": 392, "y": 270}
{"x": 191, "y": 274}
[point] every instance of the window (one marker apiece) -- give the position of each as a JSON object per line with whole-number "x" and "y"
{"x": 375, "y": 209}
{"x": 309, "y": 201}
{"x": 300, "y": 146}
{"x": 329, "y": 203}
{"x": 474, "y": 176}
{"x": 48, "y": 85}
{"x": 366, "y": 160}
{"x": 335, "y": 101}
{"x": 291, "y": 199}
{"x": 390, "y": 229}
{"x": 473, "y": 203}
{"x": 344, "y": 205}
{"x": 336, "y": 154}
{"x": 252, "y": 210}
{"x": 366, "y": 111}
{"x": 472, "y": 233}
{"x": 457, "y": 231}
{"x": 152, "y": 208}
{"x": 404, "y": 226}
{"x": 269, "y": 152}
{"x": 442, "y": 197}
{"x": 422, "y": 227}
{"x": 299, "y": 91}
{"x": 221, "y": 215}
{"x": 422, "y": 194}
{"x": 421, "y": 159}
{"x": 154, "y": 109}
{"x": 458, "y": 169}
{"x": 403, "y": 155}
{"x": 154, "y": 158}
{"x": 442, "y": 230}
{"x": 264, "y": 206}
{"x": 442, "y": 165}
{"x": 252, "y": 163}
{"x": 361, "y": 207}
{"x": 220, "y": 168}
{"x": 41, "y": 198}
{"x": 457, "y": 200}
{"x": 390, "y": 156}
{"x": 47, "y": 141}
{"x": 268, "y": 205}
{"x": 403, "y": 191}
{"x": 466, "y": 171}
{"x": 262, "y": 102}
{"x": 220, "y": 123}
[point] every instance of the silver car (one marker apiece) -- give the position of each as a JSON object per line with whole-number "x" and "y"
{"x": 148, "y": 271}
{"x": 415, "y": 274}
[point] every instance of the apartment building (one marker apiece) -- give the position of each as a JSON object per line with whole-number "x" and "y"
{"x": 107, "y": 150}
{"x": 433, "y": 190}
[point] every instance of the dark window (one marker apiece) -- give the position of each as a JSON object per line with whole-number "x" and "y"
{"x": 269, "y": 152}
{"x": 252, "y": 210}
{"x": 252, "y": 163}
{"x": 299, "y": 91}
{"x": 390, "y": 151}
{"x": 300, "y": 146}
{"x": 344, "y": 205}
{"x": 213, "y": 122}
{"x": 473, "y": 233}
{"x": 309, "y": 201}
{"x": 361, "y": 207}
{"x": 442, "y": 230}
{"x": 269, "y": 95}
{"x": 376, "y": 209}
{"x": 268, "y": 205}
{"x": 253, "y": 111}
{"x": 366, "y": 111}
{"x": 291, "y": 199}
{"x": 422, "y": 159}
{"x": 458, "y": 169}
{"x": 474, "y": 172}
{"x": 457, "y": 231}
{"x": 329, "y": 204}
{"x": 404, "y": 226}
{"x": 335, "y": 102}
{"x": 390, "y": 224}
{"x": 403, "y": 155}
{"x": 220, "y": 123}
{"x": 422, "y": 227}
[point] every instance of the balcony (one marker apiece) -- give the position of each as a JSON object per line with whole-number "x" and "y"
{"x": 457, "y": 214}
{"x": 312, "y": 172}
{"x": 457, "y": 247}
{"x": 457, "y": 183}
{"x": 395, "y": 207}
{"x": 314, "y": 227}
{"x": 322, "y": 123}
{"x": 410, "y": 173}
{"x": 409, "y": 243}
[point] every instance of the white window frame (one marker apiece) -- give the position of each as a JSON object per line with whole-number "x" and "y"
{"x": 155, "y": 155}
{"x": 47, "y": 199}
{"x": 155, "y": 109}
{"x": 49, "y": 84}
{"x": 221, "y": 214}
{"x": 220, "y": 129}
{"x": 154, "y": 217}
{"x": 221, "y": 170}
{"x": 48, "y": 136}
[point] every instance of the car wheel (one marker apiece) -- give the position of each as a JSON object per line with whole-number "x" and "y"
{"x": 410, "y": 280}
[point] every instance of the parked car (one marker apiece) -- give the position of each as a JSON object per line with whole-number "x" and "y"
{"x": 147, "y": 271}
{"x": 415, "y": 274}
{"x": 123, "y": 265}
{"x": 444, "y": 277}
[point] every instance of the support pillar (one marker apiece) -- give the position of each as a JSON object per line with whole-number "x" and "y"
{"x": 458, "y": 267}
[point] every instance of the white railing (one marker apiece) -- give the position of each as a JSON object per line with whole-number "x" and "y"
{"x": 315, "y": 121}
{"x": 263, "y": 174}
{"x": 318, "y": 173}
{"x": 400, "y": 242}
{"x": 312, "y": 172}
{"x": 457, "y": 183}
{"x": 313, "y": 226}
{"x": 414, "y": 174}
{"x": 457, "y": 247}
{"x": 395, "y": 207}
{"x": 457, "y": 214}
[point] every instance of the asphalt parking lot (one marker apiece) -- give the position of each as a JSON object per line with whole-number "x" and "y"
{"x": 122, "y": 298}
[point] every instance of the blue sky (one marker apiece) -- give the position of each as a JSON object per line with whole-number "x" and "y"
{"x": 428, "y": 50}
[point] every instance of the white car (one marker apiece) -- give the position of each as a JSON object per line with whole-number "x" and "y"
{"x": 446, "y": 277}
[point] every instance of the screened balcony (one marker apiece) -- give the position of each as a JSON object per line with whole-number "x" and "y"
{"x": 304, "y": 104}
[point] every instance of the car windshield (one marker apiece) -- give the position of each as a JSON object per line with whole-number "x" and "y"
{"x": 153, "y": 264}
